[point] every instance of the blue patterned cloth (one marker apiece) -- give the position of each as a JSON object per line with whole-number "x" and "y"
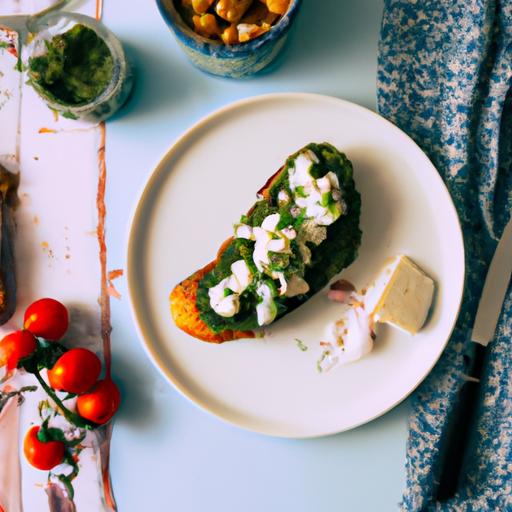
{"x": 445, "y": 77}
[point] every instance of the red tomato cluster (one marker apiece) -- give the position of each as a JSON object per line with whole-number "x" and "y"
{"x": 76, "y": 371}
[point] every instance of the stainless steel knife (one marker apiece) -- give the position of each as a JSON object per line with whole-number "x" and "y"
{"x": 484, "y": 327}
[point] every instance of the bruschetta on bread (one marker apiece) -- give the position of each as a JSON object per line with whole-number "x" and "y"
{"x": 301, "y": 232}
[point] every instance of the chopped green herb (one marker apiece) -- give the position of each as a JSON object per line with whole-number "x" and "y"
{"x": 69, "y": 115}
{"x": 302, "y": 346}
{"x": 325, "y": 353}
{"x": 20, "y": 66}
{"x": 300, "y": 219}
{"x": 326, "y": 198}
{"x": 278, "y": 261}
{"x": 299, "y": 191}
{"x": 286, "y": 218}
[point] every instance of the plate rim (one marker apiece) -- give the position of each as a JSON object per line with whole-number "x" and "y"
{"x": 134, "y": 222}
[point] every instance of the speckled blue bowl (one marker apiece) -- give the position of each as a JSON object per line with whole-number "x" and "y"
{"x": 233, "y": 61}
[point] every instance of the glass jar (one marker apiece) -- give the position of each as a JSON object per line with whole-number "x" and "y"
{"x": 43, "y": 29}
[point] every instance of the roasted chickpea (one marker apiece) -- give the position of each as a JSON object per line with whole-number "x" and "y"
{"x": 278, "y": 6}
{"x": 230, "y": 35}
{"x": 201, "y": 6}
{"x": 231, "y": 21}
{"x": 232, "y": 10}
{"x": 206, "y": 25}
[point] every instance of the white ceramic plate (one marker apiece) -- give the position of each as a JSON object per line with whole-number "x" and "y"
{"x": 200, "y": 188}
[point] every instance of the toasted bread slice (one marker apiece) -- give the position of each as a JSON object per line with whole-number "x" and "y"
{"x": 190, "y": 295}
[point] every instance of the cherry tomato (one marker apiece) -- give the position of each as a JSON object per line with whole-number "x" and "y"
{"x": 101, "y": 403}
{"x": 47, "y": 318}
{"x": 41, "y": 455}
{"x": 16, "y": 346}
{"x": 76, "y": 371}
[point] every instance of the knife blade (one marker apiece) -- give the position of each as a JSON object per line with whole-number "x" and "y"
{"x": 462, "y": 417}
{"x": 495, "y": 287}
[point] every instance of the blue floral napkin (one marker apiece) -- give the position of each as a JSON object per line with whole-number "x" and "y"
{"x": 445, "y": 77}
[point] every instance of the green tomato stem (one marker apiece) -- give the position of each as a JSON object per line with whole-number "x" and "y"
{"x": 72, "y": 417}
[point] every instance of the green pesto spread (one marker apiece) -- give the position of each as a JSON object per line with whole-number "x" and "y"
{"x": 335, "y": 251}
{"x": 76, "y": 68}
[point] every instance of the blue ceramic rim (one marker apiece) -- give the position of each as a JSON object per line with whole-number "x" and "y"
{"x": 217, "y": 49}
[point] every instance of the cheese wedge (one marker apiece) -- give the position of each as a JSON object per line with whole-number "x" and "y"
{"x": 401, "y": 295}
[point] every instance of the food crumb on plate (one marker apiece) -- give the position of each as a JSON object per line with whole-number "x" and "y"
{"x": 301, "y": 345}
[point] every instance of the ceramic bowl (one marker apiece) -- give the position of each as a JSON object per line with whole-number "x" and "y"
{"x": 233, "y": 61}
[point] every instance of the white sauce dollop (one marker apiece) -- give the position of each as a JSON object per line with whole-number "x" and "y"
{"x": 348, "y": 339}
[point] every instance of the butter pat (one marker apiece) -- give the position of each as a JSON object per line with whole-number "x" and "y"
{"x": 401, "y": 295}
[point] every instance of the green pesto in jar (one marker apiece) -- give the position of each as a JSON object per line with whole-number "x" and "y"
{"x": 76, "y": 68}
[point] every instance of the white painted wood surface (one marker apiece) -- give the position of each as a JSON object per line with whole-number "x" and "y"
{"x": 56, "y": 247}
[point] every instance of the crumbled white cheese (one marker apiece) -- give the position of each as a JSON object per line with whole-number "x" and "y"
{"x": 270, "y": 222}
{"x": 270, "y": 239}
{"x": 260, "y": 254}
{"x": 224, "y": 305}
{"x": 289, "y": 233}
{"x": 277, "y": 245}
{"x": 225, "y": 296}
{"x": 244, "y": 231}
{"x": 321, "y": 198}
{"x": 266, "y": 310}
{"x": 282, "y": 197}
{"x": 241, "y": 278}
{"x": 229, "y": 306}
{"x": 283, "y": 285}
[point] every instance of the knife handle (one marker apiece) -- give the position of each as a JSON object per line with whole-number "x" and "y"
{"x": 460, "y": 424}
